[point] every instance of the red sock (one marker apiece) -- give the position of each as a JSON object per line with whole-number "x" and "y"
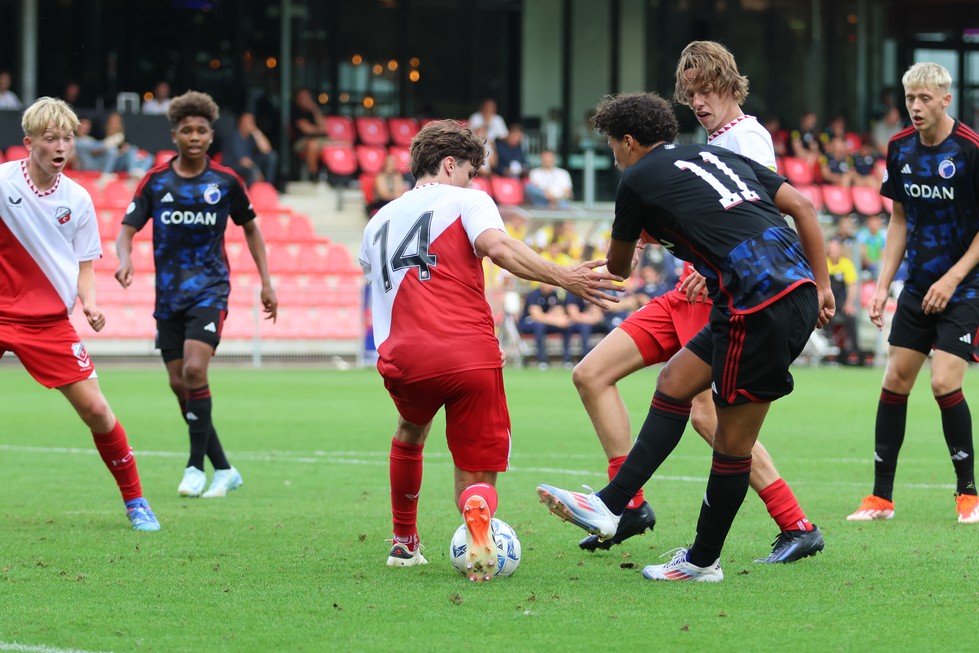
{"x": 406, "y": 484}
{"x": 484, "y": 490}
{"x": 784, "y": 508}
{"x": 118, "y": 457}
{"x": 613, "y": 468}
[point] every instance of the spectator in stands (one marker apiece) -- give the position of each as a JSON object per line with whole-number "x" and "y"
{"x": 805, "y": 140}
{"x": 836, "y": 165}
{"x": 248, "y": 152}
{"x": 8, "y": 99}
{"x": 511, "y": 160}
{"x": 871, "y": 239}
{"x": 192, "y": 276}
{"x": 515, "y": 222}
{"x": 866, "y": 172}
{"x": 780, "y": 137}
{"x": 651, "y": 285}
{"x": 389, "y": 184}
{"x": 846, "y": 232}
{"x": 885, "y": 128}
{"x": 835, "y": 129}
{"x": 584, "y": 320}
{"x": 544, "y": 314}
{"x": 159, "y": 102}
{"x": 549, "y": 185}
{"x": 90, "y": 153}
{"x": 842, "y": 329}
{"x": 307, "y": 130}
{"x": 72, "y": 93}
{"x": 488, "y": 117}
{"x": 128, "y": 158}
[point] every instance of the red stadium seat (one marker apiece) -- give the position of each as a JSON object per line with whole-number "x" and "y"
{"x": 372, "y": 130}
{"x": 837, "y": 199}
{"x": 340, "y": 159}
{"x": 312, "y": 258}
{"x": 16, "y": 152}
{"x": 507, "y": 190}
{"x": 117, "y": 194}
{"x": 867, "y": 200}
{"x": 403, "y": 155}
{"x": 340, "y": 128}
{"x": 163, "y": 156}
{"x": 370, "y": 158}
{"x": 482, "y": 183}
{"x": 339, "y": 260}
{"x": 402, "y": 130}
{"x": 797, "y": 171}
{"x": 264, "y": 197}
{"x": 367, "y": 187}
{"x": 300, "y": 228}
{"x": 274, "y": 227}
{"x": 813, "y": 193}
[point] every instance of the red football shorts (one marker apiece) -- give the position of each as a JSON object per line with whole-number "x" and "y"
{"x": 664, "y": 325}
{"x": 51, "y": 352}
{"x": 477, "y": 422}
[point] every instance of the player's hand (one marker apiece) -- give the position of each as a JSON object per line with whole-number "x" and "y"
{"x": 95, "y": 317}
{"x": 270, "y": 303}
{"x": 695, "y": 287}
{"x": 503, "y": 356}
{"x": 875, "y": 309}
{"x": 936, "y": 299}
{"x": 587, "y": 282}
{"x": 124, "y": 274}
{"x": 827, "y": 307}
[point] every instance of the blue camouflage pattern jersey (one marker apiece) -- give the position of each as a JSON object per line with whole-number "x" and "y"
{"x": 714, "y": 208}
{"x": 938, "y": 187}
{"x": 189, "y": 216}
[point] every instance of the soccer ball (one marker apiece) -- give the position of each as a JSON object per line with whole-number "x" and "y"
{"x": 507, "y": 548}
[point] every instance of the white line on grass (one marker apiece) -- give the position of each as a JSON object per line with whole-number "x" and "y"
{"x": 380, "y": 458}
{"x": 14, "y": 646}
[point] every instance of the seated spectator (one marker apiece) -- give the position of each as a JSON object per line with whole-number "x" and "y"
{"x": 836, "y": 165}
{"x": 885, "y": 128}
{"x": 651, "y": 285}
{"x": 870, "y": 240}
{"x": 584, "y": 319}
{"x": 249, "y": 153}
{"x": 549, "y": 185}
{"x": 511, "y": 160}
{"x": 846, "y": 233}
{"x": 515, "y": 222}
{"x": 110, "y": 155}
{"x": 544, "y": 313}
{"x": 805, "y": 140}
{"x": 159, "y": 103}
{"x": 389, "y": 184}
{"x": 842, "y": 329}
{"x": 865, "y": 169}
{"x": 836, "y": 128}
{"x": 780, "y": 136}
{"x": 307, "y": 131}
{"x": 487, "y": 117}
{"x": 72, "y": 93}
{"x": 8, "y": 99}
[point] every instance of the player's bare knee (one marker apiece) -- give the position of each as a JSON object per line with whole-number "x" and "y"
{"x": 96, "y": 413}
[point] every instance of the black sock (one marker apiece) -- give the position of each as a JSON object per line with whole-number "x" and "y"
{"x": 892, "y": 417}
{"x": 727, "y": 486}
{"x": 198, "y": 416}
{"x": 215, "y": 452}
{"x": 658, "y": 437}
{"x": 957, "y": 426}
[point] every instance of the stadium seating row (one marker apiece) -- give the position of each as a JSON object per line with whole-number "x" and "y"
{"x": 837, "y": 200}
{"x": 371, "y": 130}
{"x": 504, "y": 190}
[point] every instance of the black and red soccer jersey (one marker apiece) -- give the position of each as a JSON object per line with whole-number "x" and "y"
{"x": 189, "y": 220}
{"x": 714, "y": 208}
{"x": 938, "y": 187}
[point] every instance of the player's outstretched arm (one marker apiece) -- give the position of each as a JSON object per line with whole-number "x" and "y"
{"x": 517, "y": 258}
{"x": 790, "y": 201}
{"x": 890, "y": 260}
{"x": 124, "y": 250}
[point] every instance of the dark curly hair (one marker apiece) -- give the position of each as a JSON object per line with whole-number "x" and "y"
{"x": 192, "y": 103}
{"x": 443, "y": 138}
{"x": 646, "y": 117}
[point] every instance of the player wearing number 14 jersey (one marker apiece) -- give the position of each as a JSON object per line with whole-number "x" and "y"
{"x": 769, "y": 285}
{"x": 434, "y": 331}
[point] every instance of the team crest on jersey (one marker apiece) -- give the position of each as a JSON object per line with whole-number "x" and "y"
{"x": 946, "y": 169}
{"x": 884, "y": 180}
{"x": 63, "y": 214}
{"x": 212, "y": 194}
{"x": 81, "y": 356}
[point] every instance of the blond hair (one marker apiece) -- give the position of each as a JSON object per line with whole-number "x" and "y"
{"x": 927, "y": 75}
{"x": 715, "y": 70}
{"x": 48, "y": 113}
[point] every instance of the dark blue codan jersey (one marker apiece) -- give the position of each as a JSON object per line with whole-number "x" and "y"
{"x": 189, "y": 219}
{"x": 938, "y": 187}
{"x": 714, "y": 208}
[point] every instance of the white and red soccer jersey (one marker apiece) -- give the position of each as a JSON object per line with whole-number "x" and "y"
{"x": 746, "y": 136}
{"x": 429, "y": 306}
{"x": 43, "y": 236}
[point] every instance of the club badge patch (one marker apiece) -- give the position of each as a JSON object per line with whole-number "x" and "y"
{"x": 63, "y": 214}
{"x": 81, "y": 356}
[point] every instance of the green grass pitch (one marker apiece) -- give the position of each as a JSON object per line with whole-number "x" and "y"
{"x": 294, "y": 560}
